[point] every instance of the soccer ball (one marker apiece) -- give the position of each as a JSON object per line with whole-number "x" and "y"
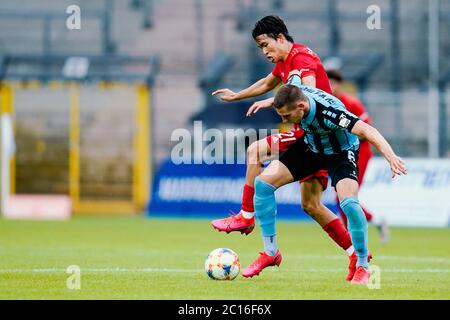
{"x": 222, "y": 264}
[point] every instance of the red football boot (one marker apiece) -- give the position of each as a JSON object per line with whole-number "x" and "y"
{"x": 262, "y": 262}
{"x": 352, "y": 265}
{"x": 234, "y": 223}
{"x": 361, "y": 276}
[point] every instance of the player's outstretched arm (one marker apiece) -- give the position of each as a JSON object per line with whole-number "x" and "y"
{"x": 258, "y": 88}
{"x": 267, "y": 103}
{"x": 365, "y": 131}
{"x": 258, "y": 105}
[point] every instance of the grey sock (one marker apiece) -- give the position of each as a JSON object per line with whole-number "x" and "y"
{"x": 270, "y": 245}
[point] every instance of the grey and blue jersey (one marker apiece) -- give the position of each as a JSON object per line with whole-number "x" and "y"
{"x": 328, "y": 124}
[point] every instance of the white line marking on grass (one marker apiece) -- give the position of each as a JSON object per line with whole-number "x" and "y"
{"x": 397, "y": 258}
{"x": 417, "y": 259}
{"x": 382, "y": 270}
{"x": 177, "y": 270}
{"x": 95, "y": 270}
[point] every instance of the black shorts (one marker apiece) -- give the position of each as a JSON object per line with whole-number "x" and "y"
{"x": 303, "y": 162}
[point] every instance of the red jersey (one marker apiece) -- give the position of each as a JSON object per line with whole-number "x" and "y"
{"x": 306, "y": 61}
{"x": 356, "y": 107}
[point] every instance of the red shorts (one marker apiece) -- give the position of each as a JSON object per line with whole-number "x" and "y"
{"x": 280, "y": 142}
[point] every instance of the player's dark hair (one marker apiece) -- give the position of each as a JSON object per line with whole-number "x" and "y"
{"x": 335, "y": 74}
{"x": 272, "y": 26}
{"x": 288, "y": 95}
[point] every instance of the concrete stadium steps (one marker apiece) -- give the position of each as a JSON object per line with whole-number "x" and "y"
{"x": 174, "y": 35}
{"x": 405, "y": 126}
{"x": 357, "y": 38}
{"x": 51, "y": 4}
{"x": 172, "y": 111}
{"x": 26, "y": 35}
{"x": 174, "y": 38}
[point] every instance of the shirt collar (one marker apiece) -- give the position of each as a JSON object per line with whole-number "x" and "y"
{"x": 290, "y": 53}
{"x": 312, "y": 111}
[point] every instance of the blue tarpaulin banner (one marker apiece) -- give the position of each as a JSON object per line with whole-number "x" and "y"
{"x": 213, "y": 190}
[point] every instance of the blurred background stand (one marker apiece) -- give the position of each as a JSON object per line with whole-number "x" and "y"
{"x": 104, "y": 70}
{"x": 83, "y": 128}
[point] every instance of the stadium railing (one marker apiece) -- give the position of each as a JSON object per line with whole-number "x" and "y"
{"x": 146, "y": 6}
{"x": 213, "y": 75}
{"x": 104, "y": 16}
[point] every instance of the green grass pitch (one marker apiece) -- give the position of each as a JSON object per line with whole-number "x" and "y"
{"x": 140, "y": 258}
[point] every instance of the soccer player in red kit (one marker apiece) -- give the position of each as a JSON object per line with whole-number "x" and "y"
{"x": 356, "y": 107}
{"x": 272, "y": 37}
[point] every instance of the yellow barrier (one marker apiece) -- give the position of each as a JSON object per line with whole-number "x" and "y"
{"x": 7, "y": 106}
{"x": 141, "y": 166}
{"x": 74, "y": 143}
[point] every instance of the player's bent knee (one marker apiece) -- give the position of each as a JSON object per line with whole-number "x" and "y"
{"x": 347, "y": 188}
{"x": 252, "y": 153}
{"x": 277, "y": 174}
{"x": 258, "y": 152}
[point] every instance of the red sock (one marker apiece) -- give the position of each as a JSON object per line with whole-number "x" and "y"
{"x": 338, "y": 233}
{"x": 247, "y": 198}
{"x": 367, "y": 214}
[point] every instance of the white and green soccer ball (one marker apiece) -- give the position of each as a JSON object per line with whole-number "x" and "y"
{"x": 222, "y": 264}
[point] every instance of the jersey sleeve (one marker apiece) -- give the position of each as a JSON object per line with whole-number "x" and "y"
{"x": 305, "y": 64}
{"x": 276, "y": 71}
{"x": 336, "y": 119}
{"x": 295, "y": 80}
